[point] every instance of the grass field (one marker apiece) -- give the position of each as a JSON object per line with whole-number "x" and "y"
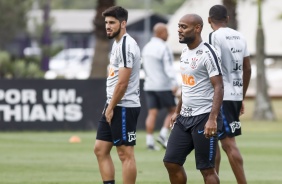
{"x": 48, "y": 157}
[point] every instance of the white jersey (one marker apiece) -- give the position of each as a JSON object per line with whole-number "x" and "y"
{"x": 232, "y": 48}
{"x": 125, "y": 53}
{"x": 197, "y": 66}
{"x": 157, "y": 60}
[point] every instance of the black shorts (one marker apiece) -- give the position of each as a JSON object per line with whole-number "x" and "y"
{"x": 159, "y": 99}
{"x": 230, "y": 115}
{"x": 123, "y": 126}
{"x": 182, "y": 141}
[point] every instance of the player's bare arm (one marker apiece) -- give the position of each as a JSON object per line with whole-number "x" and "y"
{"x": 247, "y": 71}
{"x": 123, "y": 80}
{"x": 211, "y": 125}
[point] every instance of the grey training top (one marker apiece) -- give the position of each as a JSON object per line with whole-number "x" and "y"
{"x": 125, "y": 53}
{"x": 157, "y": 60}
{"x": 232, "y": 48}
{"x": 197, "y": 66}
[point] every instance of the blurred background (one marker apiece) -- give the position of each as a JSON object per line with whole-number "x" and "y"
{"x": 53, "y": 67}
{"x": 57, "y": 50}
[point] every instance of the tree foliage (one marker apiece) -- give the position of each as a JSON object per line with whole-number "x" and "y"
{"x": 159, "y": 6}
{"x": 29, "y": 68}
{"x": 13, "y": 19}
{"x": 74, "y": 4}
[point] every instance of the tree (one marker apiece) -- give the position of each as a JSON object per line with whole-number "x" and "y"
{"x": 231, "y": 6}
{"x": 46, "y": 36}
{"x": 13, "y": 19}
{"x": 263, "y": 109}
{"x": 102, "y": 46}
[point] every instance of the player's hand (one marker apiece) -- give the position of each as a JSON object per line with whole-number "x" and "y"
{"x": 210, "y": 128}
{"x": 173, "y": 119}
{"x": 109, "y": 115}
{"x": 242, "y": 110}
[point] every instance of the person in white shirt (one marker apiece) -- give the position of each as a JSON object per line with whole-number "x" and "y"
{"x": 197, "y": 118}
{"x": 232, "y": 48}
{"x": 160, "y": 84}
{"x": 117, "y": 126}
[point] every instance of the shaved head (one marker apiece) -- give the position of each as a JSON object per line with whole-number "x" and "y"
{"x": 193, "y": 19}
{"x": 159, "y": 27}
{"x": 160, "y": 31}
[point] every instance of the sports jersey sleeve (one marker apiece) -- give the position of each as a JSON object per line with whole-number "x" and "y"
{"x": 126, "y": 54}
{"x": 213, "y": 40}
{"x": 212, "y": 62}
{"x": 168, "y": 66}
{"x": 246, "y": 52}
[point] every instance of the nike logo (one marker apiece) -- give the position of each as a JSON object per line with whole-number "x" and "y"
{"x": 220, "y": 134}
{"x": 200, "y": 131}
{"x": 116, "y": 141}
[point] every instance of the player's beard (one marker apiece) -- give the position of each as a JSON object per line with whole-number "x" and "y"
{"x": 114, "y": 34}
{"x": 188, "y": 40}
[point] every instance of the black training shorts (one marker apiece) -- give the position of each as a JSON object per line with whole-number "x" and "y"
{"x": 230, "y": 115}
{"x": 123, "y": 126}
{"x": 182, "y": 141}
{"x": 159, "y": 99}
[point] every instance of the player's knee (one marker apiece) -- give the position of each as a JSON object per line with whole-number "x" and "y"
{"x": 210, "y": 175}
{"x": 153, "y": 112}
{"x": 171, "y": 166}
{"x": 97, "y": 150}
{"x": 123, "y": 155}
{"x": 228, "y": 148}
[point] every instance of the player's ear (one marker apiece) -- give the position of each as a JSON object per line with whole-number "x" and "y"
{"x": 209, "y": 20}
{"x": 123, "y": 24}
{"x": 198, "y": 28}
{"x": 227, "y": 19}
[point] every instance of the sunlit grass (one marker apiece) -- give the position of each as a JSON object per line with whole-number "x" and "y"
{"x": 48, "y": 157}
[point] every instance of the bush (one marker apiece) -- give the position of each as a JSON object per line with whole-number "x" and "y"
{"x": 19, "y": 68}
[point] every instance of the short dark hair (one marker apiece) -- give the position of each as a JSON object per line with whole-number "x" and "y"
{"x": 116, "y": 11}
{"x": 218, "y": 12}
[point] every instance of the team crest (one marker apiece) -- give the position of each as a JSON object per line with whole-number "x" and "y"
{"x": 131, "y": 136}
{"x": 193, "y": 63}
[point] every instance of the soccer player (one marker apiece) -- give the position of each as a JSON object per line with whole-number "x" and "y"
{"x": 197, "y": 117}
{"x": 117, "y": 127}
{"x": 160, "y": 84}
{"x": 236, "y": 67}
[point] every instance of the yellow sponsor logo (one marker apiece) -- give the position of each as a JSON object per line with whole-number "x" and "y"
{"x": 111, "y": 72}
{"x": 188, "y": 80}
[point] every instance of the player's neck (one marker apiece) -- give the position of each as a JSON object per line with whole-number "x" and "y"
{"x": 120, "y": 35}
{"x": 195, "y": 44}
{"x": 219, "y": 25}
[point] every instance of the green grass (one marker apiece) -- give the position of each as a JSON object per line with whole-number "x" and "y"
{"x": 48, "y": 157}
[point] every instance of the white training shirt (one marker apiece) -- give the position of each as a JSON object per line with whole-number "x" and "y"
{"x": 197, "y": 66}
{"x": 157, "y": 60}
{"x": 125, "y": 53}
{"x": 232, "y": 48}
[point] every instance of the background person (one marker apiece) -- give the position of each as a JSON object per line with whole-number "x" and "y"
{"x": 236, "y": 67}
{"x": 160, "y": 84}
